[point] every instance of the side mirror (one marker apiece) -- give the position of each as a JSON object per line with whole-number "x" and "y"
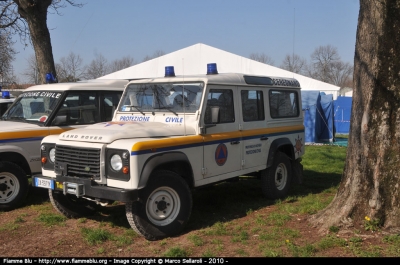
{"x": 214, "y": 119}
{"x": 214, "y": 115}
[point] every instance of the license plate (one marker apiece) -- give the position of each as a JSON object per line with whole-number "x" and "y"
{"x": 44, "y": 183}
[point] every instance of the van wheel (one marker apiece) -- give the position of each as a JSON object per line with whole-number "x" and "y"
{"x": 71, "y": 206}
{"x": 13, "y": 185}
{"x": 164, "y": 206}
{"x": 275, "y": 180}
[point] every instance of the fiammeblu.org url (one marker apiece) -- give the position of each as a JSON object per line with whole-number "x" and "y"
{"x": 73, "y": 260}
{"x": 54, "y": 261}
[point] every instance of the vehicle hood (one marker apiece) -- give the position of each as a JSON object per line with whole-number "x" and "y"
{"x": 107, "y": 132}
{"x": 13, "y": 126}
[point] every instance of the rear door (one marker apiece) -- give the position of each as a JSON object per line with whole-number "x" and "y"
{"x": 254, "y": 126}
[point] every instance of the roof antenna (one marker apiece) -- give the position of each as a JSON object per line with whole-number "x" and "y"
{"x": 294, "y": 30}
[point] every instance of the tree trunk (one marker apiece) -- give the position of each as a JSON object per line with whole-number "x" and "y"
{"x": 371, "y": 177}
{"x": 35, "y": 14}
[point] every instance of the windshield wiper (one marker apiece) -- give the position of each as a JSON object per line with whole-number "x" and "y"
{"x": 176, "y": 114}
{"x": 137, "y": 108}
{"x": 16, "y": 118}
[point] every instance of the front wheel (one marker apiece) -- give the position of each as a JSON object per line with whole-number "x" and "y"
{"x": 164, "y": 206}
{"x": 71, "y": 206}
{"x": 13, "y": 185}
{"x": 276, "y": 180}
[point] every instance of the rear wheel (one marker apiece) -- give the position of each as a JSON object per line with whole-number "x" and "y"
{"x": 276, "y": 179}
{"x": 70, "y": 205}
{"x": 13, "y": 185}
{"x": 164, "y": 206}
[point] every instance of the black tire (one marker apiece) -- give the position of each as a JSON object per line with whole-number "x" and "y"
{"x": 71, "y": 206}
{"x": 276, "y": 180}
{"x": 14, "y": 185}
{"x": 164, "y": 206}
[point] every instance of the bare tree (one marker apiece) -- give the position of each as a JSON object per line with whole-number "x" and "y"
{"x": 122, "y": 63}
{"x": 327, "y": 66}
{"x": 32, "y": 72}
{"x": 294, "y": 63}
{"x": 156, "y": 54}
{"x": 322, "y": 60}
{"x": 11, "y": 20}
{"x": 370, "y": 181}
{"x": 262, "y": 58}
{"x": 341, "y": 74}
{"x": 71, "y": 68}
{"x": 97, "y": 67}
{"x": 7, "y": 56}
{"x": 29, "y": 18}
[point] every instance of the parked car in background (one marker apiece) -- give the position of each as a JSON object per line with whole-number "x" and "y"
{"x": 44, "y": 110}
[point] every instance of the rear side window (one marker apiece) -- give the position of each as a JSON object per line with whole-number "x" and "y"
{"x": 283, "y": 104}
{"x": 252, "y": 105}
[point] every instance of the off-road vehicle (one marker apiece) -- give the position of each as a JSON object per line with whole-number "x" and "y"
{"x": 173, "y": 134}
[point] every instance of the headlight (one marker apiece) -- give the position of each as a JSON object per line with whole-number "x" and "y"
{"x": 116, "y": 162}
{"x": 52, "y": 154}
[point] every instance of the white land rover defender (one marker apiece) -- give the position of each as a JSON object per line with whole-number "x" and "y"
{"x": 172, "y": 134}
{"x": 44, "y": 110}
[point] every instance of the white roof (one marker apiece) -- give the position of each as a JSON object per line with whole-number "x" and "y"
{"x": 94, "y": 84}
{"x": 223, "y": 79}
{"x": 193, "y": 60}
{"x": 6, "y": 100}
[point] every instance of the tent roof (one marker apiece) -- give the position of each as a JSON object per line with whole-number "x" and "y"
{"x": 193, "y": 60}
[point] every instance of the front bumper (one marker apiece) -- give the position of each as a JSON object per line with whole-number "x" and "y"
{"x": 84, "y": 188}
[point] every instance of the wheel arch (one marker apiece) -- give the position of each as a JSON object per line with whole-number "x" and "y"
{"x": 283, "y": 145}
{"x": 16, "y": 158}
{"x": 176, "y": 162}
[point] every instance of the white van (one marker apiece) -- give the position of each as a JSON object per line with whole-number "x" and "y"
{"x": 45, "y": 110}
{"x": 172, "y": 134}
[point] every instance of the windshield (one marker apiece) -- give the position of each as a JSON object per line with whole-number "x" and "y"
{"x": 33, "y": 106}
{"x": 174, "y": 97}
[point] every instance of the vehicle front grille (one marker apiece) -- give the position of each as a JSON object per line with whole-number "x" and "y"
{"x": 78, "y": 162}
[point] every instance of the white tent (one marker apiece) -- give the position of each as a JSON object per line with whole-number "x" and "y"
{"x": 193, "y": 60}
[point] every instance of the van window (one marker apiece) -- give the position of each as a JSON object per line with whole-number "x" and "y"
{"x": 80, "y": 108}
{"x": 223, "y": 100}
{"x": 283, "y": 104}
{"x": 162, "y": 97}
{"x": 252, "y": 105}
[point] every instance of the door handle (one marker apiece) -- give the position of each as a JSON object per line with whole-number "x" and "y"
{"x": 235, "y": 142}
{"x": 263, "y": 138}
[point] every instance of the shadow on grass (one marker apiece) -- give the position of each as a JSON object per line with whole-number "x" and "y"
{"x": 316, "y": 182}
{"x": 222, "y": 202}
{"x": 36, "y": 196}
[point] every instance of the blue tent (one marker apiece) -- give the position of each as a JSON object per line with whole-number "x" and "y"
{"x": 318, "y": 116}
{"x": 342, "y": 114}
{"x": 327, "y": 128}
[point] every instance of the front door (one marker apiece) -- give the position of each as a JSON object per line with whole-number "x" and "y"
{"x": 222, "y": 140}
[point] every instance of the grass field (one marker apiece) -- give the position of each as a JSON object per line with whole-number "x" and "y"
{"x": 231, "y": 219}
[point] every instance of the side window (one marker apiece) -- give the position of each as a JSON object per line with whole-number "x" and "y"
{"x": 79, "y": 108}
{"x": 220, "y": 101}
{"x": 111, "y": 100}
{"x": 283, "y": 104}
{"x": 252, "y": 105}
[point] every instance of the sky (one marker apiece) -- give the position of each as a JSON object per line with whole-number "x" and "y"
{"x": 140, "y": 28}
